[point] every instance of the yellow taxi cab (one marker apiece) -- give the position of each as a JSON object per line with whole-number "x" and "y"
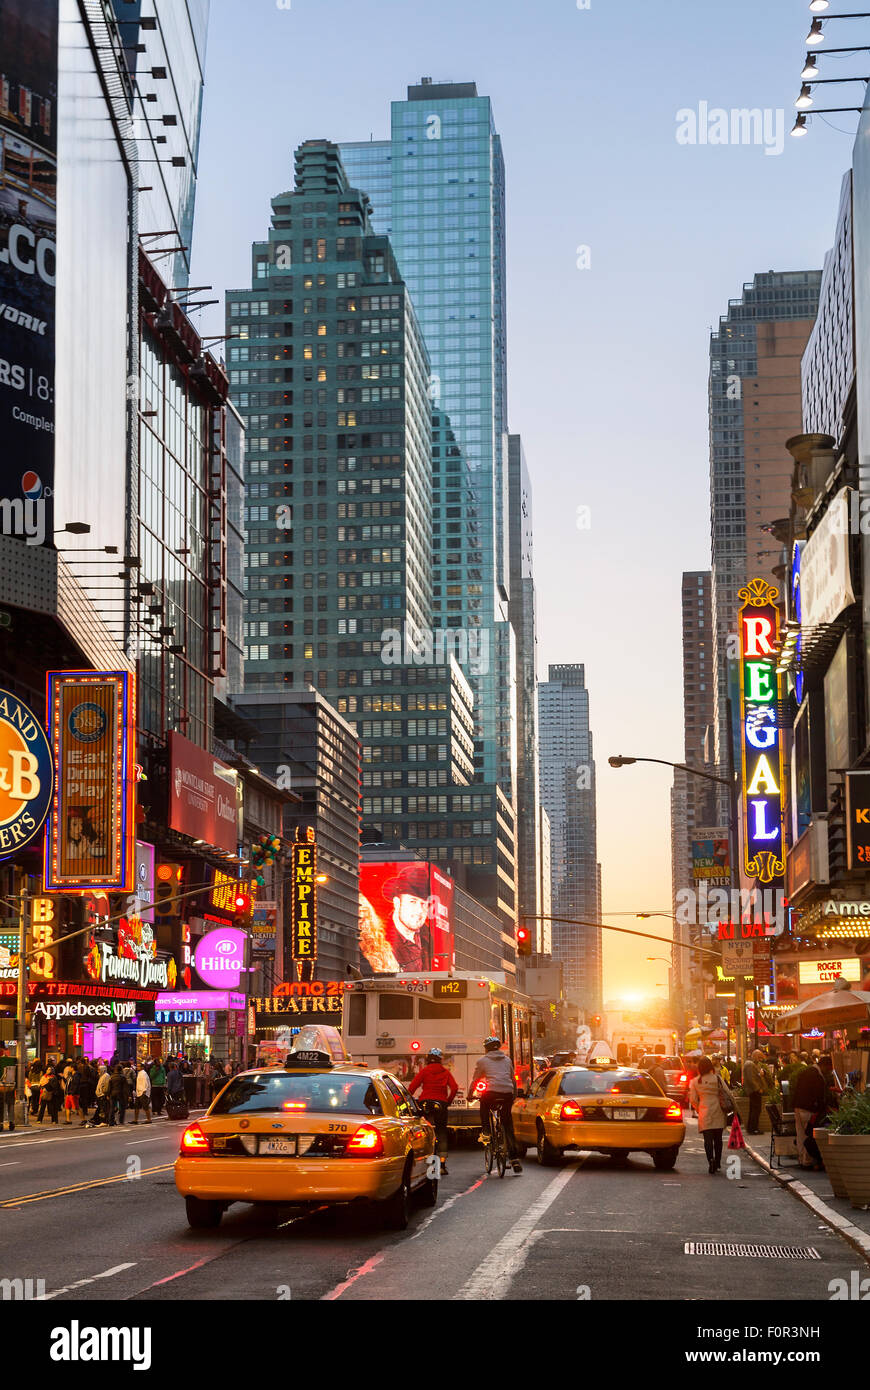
{"x": 314, "y": 1131}
{"x": 601, "y": 1107}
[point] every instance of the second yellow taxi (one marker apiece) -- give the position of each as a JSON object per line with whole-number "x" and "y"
{"x": 605, "y": 1108}
{"x": 315, "y": 1131}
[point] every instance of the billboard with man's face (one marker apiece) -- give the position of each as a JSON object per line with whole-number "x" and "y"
{"x": 405, "y": 917}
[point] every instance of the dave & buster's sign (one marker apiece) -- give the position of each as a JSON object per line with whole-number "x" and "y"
{"x": 91, "y": 835}
{"x": 26, "y": 775}
{"x": 762, "y": 766}
{"x": 202, "y": 795}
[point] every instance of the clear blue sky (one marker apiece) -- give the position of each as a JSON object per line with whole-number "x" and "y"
{"x": 607, "y": 366}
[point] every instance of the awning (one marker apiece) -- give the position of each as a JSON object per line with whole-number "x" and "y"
{"x": 832, "y": 1010}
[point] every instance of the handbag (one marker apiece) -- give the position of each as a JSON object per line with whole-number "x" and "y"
{"x": 725, "y": 1100}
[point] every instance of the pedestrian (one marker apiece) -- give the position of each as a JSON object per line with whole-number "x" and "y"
{"x": 72, "y": 1094}
{"x": 810, "y": 1109}
{"x": 119, "y": 1095}
{"x": 724, "y": 1069}
{"x": 199, "y": 1070}
{"x": 158, "y": 1086}
{"x": 189, "y": 1081}
{"x": 142, "y": 1100}
{"x": 50, "y": 1095}
{"x": 658, "y": 1076}
{"x": 709, "y": 1095}
{"x": 34, "y": 1074}
{"x": 86, "y": 1089}
{"x": 218, "y": 1078}
{"x": 103, "y": 1111}
{"x": 437, "y": 1087}
{"x": 174, "y": 1084}
{"x": 8, "y": 1067}
{"x": 754, "y": 1086}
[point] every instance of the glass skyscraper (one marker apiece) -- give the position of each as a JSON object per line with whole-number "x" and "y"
{"x": 437, "y": 188}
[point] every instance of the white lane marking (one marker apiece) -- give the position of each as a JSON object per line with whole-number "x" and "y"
{"x": 15, "y": 1164}
{"x": 106, "y": 1274}
{"x": 134, "y": 1143}
{"x": 493, "y": 1275}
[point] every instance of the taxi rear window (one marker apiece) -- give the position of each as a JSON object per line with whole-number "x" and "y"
{"x": 591, "y": 1083}
{"x": 280, "y": 1092}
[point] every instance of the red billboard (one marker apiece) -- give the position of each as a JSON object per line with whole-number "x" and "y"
{"x": 405, "y": 917}
{"x": 202, "y": 795}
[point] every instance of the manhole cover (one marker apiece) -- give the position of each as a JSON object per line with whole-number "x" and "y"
{"x": 756, "y": 1252}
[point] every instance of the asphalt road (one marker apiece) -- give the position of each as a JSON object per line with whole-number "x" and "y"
{"x": 95, "y": 1214}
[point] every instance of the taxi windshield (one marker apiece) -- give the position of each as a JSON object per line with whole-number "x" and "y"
{"x": 270, "y": 1092}
{"x": 596, "y": 1083}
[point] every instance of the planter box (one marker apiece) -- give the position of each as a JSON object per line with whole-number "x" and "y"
{"x": 851, "y": 1153}
{"x": 831, "y": 1161}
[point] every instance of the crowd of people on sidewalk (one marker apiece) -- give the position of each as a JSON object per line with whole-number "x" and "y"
{"x": 810, "y": 1081}
{"x": 100, "y": 1092}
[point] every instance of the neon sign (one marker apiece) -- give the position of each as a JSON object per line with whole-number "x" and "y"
{"x": 762, "y": 765}
{"x": 796, "y": 615}
{"x": 303, "y": 917}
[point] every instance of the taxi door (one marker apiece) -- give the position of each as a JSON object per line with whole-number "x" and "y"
{"x": 527, "y": 1109}
{"x": 416, "y": 1129}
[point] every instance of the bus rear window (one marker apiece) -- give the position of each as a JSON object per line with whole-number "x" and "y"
{"x": 439, "y": 1008}
{"x": 356, "y": 1015}
{"x": 396, "y": 1006}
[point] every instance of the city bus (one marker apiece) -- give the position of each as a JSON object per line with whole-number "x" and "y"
{"x": 393, "y": 1022}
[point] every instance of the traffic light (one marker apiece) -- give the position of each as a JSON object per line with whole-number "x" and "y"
{"x": 524, "y": 941}
{"x": 242, "y": 907}
{"x": 596, "y": 1020}
{"x": 167, "y": 890}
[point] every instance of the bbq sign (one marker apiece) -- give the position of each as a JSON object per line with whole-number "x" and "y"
{"x": 303, "y": 901}
{"x": 760, "y": 735}
{"x": 26, "y": 775}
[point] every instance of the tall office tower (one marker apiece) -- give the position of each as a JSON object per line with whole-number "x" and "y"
{"x": 437, "y": 187}
{"x": 755, "y": 405}
{"x": 693, "y": 801}
{"x": 522, "y": 616}
{"x": 164, "y": 44}
{"x": 568, "y": 796}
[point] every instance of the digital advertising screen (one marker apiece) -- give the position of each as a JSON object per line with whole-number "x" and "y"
{"x": 405, "y": 917}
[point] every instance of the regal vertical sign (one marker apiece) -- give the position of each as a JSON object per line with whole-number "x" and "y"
{"x": 762, "y": 765}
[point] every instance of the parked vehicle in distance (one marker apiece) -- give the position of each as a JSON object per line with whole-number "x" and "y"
{"x": 676, "y": 1075}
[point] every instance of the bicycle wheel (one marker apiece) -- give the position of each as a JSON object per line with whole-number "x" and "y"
{"x": 501, "y": 1149}
{"x": 489, "y": 1145}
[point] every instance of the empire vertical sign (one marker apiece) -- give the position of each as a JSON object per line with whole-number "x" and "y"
{"x": 762, "y": 765}
{"x": 303, "y": 915}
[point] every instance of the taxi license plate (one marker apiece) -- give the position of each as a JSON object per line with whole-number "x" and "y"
{"x": 623, "y": 1114}
{"x": 278, "y": 1146}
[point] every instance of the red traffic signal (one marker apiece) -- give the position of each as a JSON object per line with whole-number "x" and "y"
{"x": 242, "y": 904}
{"x": 524, "y": 941}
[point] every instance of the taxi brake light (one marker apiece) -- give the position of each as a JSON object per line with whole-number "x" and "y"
{"x": 366, "y": 1142}
{"x": 295, "y": 1105}
{"x": 195, "y": 1141}
{"x": 674, "y": 1111}
{"x": 570, "y": 1111}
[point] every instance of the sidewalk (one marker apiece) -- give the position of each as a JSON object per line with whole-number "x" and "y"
{"x": 814, "y": 1190}
{"x": 76, "y": 1127}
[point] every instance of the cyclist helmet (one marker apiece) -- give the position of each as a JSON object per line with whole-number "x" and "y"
{"x": 490, "y": 1044}
{"x": 434, "y": 1054}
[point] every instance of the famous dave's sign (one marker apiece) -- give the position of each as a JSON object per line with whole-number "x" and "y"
{"x": 91, "y": 832}
{"x": 762, "y": 767}
{"x": 202, "y": 795}
{"x": 219, "y": 957}
{"x": 26, "y": 775}
{"x": 303, "y": 898}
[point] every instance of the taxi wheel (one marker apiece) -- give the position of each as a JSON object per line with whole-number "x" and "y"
{"x": 548, "y": 1155}
{"x": 397, "y": 1209}
{"x": 429, "y": 1192}
{"x": 202, "y": 1214}
{"x": 666, "y": 1158}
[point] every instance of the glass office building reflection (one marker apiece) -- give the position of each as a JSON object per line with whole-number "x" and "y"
{"x": 437, "y": 188}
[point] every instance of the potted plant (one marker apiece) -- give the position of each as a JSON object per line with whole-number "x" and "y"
{"x": 822, "y": 1135}
{"x": 849, "y": 1147}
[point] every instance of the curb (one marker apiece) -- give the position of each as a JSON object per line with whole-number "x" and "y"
{"x": 858, "y": 1239}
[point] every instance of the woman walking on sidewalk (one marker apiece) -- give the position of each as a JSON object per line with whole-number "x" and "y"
{"x": 709, "y": 1095}
{"x": 50, "y": 1095}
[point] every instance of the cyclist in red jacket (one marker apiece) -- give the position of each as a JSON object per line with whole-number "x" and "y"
{"x": 437, "y": 1087}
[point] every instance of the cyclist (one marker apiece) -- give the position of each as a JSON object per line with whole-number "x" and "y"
{"x": 437, "y": 1088}
{"x": 495, "y": 1070}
